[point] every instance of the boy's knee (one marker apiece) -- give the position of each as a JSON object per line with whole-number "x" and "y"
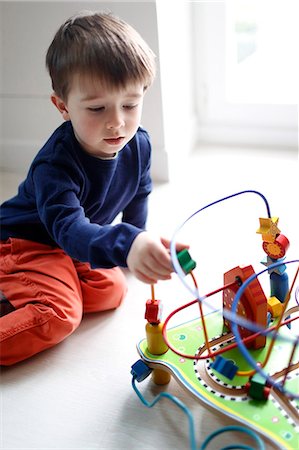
{"x": 120, "y": 287}
{"x": 114, "y": 291}
{"x": 60, "y": 327}
{"x": 105, "y": 291}
{"x": 33, "y": 329}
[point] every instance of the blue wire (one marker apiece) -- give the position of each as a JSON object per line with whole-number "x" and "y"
{"x": 237, "y": 320}
{"x": 189, "y": 415}
{"x": 242, "y": 346}
{"x": 238, "y": 447}
{"x": 177, "y": 402}
{"x": 194, "y": 291}
{"x": 174, "y": 258}
{"x": 234, "y": 428}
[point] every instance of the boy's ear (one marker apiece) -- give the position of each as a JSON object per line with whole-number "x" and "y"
{"x": 60, "y": 105}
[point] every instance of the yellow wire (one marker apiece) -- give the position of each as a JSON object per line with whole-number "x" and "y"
{"x": 153, "y": 292}
{"x": 205, "y": 332}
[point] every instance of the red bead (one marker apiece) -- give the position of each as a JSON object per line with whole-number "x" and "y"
{"x": 278, "y": 248}
{"x": 153, "y": 311}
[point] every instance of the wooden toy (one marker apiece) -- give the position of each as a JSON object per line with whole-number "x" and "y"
{"x": 243, "y": 359}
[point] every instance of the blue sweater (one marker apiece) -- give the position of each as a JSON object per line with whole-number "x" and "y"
{"x": 69, "y": 199}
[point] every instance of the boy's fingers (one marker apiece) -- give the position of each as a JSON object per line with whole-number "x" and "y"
{"x": 162, "y": 261}
{"x": 150, "y": 278}
{"x": 158, "y": 267}
{"x": 144, "y": 278}
{"x": 165, "y": 242}
{"x": 178, "y": 246}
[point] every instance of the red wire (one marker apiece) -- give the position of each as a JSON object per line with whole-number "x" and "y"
{"x": 224, "y": 349}
{"x": 180, "y": 309}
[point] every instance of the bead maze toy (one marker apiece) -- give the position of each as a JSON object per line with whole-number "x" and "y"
{"x": 241, "y": 359}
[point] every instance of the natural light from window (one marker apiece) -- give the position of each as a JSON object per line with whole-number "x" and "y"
{"x": 262, "y": 48}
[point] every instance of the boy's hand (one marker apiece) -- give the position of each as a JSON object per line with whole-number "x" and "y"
{"x": 149, "y": 258}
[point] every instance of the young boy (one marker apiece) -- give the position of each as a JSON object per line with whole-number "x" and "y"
{"x": 60, "y": 255}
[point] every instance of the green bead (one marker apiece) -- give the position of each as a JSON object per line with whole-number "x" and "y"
{"x": 186, "y": 262}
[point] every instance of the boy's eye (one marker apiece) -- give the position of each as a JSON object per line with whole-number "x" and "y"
{"x": 130, "y": 106}
{"x": 96, "y": 109}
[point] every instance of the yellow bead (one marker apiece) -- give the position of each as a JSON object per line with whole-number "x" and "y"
{"x": 274, "y": 306}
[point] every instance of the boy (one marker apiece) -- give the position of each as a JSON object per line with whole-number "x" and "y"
{"x": 60, "y": 255}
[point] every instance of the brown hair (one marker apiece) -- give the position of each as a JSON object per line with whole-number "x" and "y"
{"x": 102, "y": 46}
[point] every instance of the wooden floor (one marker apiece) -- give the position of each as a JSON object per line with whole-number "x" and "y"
{"x": 78, "y": 395}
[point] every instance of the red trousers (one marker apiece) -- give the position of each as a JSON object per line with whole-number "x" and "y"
{"x": 48, "y": 293}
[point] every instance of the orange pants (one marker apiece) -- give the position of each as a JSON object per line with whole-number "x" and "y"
{"x": 48, "y": 293}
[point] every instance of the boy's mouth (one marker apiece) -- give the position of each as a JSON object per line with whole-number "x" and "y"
{"x": 114, "y": 141}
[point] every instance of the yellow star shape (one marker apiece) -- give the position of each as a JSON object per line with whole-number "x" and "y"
{"x": 268, "y": 228}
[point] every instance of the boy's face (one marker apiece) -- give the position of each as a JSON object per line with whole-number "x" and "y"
{"x": 104, "y": 120}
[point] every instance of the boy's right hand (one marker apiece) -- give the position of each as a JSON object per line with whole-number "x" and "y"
{"x": 149, "y": 258}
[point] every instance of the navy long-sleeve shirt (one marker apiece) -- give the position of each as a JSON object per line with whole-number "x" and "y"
{"x": 70, "y": 198}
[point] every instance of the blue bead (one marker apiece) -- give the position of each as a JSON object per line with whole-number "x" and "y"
{"x": 225, "y": 367}
{"x": 279, "y": 286}
{"x": 269, "y": 318}
{"x": 140, "y": 370}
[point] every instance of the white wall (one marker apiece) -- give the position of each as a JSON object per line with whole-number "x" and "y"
{"x": 27, "y": 28}
{"x": 177, "y": 78}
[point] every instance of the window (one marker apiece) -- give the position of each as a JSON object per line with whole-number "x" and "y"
{"x": 247, "y": 71}
{"x": 262, "y": 52}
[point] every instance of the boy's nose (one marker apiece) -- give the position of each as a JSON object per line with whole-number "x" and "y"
{"x": 115, "y": 120}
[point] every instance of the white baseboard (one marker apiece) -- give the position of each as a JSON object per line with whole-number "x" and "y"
{"x": 16, "y": 155}
{"x": 160, "y": 165}
{"x": 247, "y": 136}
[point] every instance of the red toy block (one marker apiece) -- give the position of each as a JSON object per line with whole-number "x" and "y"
{"x": 278, "y": 248}
{"x": 252, "y": 304}
{"x": 153, "y": 311}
